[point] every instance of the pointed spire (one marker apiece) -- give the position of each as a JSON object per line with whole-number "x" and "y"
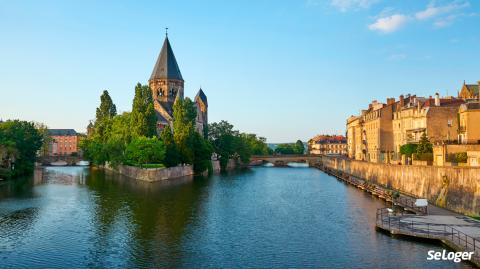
{"x": 201, "y": 95}
{"x": 166, "y": 66}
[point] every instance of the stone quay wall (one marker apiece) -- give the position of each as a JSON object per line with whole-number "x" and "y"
{"x": 454, "y": 188}
{"x": 153, "y": 174}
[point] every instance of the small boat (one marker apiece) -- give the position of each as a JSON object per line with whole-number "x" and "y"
{"x": 83, "y": 163}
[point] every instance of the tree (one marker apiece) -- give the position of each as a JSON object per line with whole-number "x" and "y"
{"x": 172, "y": 157}
{"x": 24, "y": 140}
{"x": 408, "y": 149}
{"x": 105, "y": 112}
{"x": 143, "y": 150}
{"x": 424, "y": 146}
{"x": 285, "y": 149}
{"x": 184, "y": 114}
{"x": 202, "y": 151}
{"x": 222, "y": 137}
{"x": 299, "y": 147}
{"x": 107, "y": 108}
{"x": 143, "y": 119}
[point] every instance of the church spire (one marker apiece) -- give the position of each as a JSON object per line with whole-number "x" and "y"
{"x": 166, "y": 66}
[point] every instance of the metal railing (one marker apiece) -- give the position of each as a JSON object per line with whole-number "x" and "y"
{"x": 395, "y": 223}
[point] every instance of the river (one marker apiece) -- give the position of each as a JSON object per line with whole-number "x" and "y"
{"x": 73, "y": 217}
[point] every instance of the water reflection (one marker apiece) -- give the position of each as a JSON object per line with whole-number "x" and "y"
{"x": 258, "y": 218}
{"x": 151, "y": 218}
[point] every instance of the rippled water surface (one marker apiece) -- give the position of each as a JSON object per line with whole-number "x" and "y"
{"x": 73, "y": 217}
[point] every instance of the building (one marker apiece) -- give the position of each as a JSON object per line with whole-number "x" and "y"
{"x": 377, "y": 134}
{"x": 469, "y": 91}
{"x": 354, "y": 138}
{"x": 445, "y": 154}
{"x": 469, "y": 128}
{"x": 63, "y": 142}
{"x": 328, "y": 145}
{"x": 167, "y": 86}
{"x": 436, "y": 117}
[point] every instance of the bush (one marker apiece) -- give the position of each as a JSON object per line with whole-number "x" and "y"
{"x": 143, "y": 150}
{"x": 460, "y": 157}
{"x": 424, "y": 156}
{"x": 408, "y": 149}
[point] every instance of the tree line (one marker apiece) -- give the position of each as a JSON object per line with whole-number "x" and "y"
{"x": 19, "y": 143}
{"x": 131, "y": 138}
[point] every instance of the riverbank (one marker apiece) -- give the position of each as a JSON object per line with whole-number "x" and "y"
{"x": 453, "y": 188}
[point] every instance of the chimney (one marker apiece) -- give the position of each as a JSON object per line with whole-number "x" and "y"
{"x": 390, "y": 101}
{"x": 402, "y": 101}
{"x": 437, "y": 99}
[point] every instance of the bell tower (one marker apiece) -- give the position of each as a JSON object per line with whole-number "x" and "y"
{"x": 166, "y": 80}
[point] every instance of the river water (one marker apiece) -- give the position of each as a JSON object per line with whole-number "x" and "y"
{"x": 72, "y": 217}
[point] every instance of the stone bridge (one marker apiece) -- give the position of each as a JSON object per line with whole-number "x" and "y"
{"x": 67, "y": 160}
{"x": 283, "y": 160}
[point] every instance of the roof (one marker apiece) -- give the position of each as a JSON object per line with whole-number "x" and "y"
{"x": 329, "y": 139}
{"x": 62, "y": 132}
{"x": 166, "y": 66}
{"x": 201, "y": 95}
{"x": 475, "y": 105}
{"x": 473, "y": 88}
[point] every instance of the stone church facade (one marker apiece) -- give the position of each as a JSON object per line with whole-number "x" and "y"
{"x": 167, "y": 86}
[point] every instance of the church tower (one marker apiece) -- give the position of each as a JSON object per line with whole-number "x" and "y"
{"x": 166, "y": 83}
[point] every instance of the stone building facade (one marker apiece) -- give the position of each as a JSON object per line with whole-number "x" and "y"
{"x": 328, "y": 145}
{"x": 436, "y": 117}
{"x": 167, "y": 85}
{"x": 469, "y": 130}
{"x": 354, "y": 138}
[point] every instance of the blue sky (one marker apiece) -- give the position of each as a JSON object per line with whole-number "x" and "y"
{"x": 285, "y": 70}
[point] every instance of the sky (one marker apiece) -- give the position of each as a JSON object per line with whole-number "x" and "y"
{"x": 285, "y": 70}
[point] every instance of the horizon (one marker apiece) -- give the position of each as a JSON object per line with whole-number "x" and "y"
{"x": 290, "y": 71}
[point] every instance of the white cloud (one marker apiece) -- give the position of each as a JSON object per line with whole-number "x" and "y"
{"x": 433, "y": 11}
{"x": 345, "y": 5}
{"x": 389, "y": 24}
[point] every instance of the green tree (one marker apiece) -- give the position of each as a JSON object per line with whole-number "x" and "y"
{"x": 172, "y": 157}
{"x": 143, "y": 118}
{"x": 25, "y": 140}
{"x": 285, "y": 149}
{"x": 184, "y": 114}
{"x": 424, "y": 146}
{"x": 143, "y": 150}
{"x": 222, "y": 137}
{"x": 104, "y": 114}
{"x": 408, "y": 149}
{"x": 107, "y": 108}
{"x": 299, "y": 147}
{"x": 202, "y": 154}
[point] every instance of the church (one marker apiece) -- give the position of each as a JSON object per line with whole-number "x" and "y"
{"x": 167, "y": 86}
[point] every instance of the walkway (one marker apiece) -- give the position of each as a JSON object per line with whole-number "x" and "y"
{"x": 461, "y": 233}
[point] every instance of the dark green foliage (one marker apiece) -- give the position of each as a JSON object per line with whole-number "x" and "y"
{"x": 184, "y": 114}
{"x": 460, "y": 157}
{"x": 222, "y": 137}
{"x": 202, "y": 151}
{"x": 143, "y": 117}
{"x": 285, "y": 149}
{"x": 299, "y": 147}
{"x": 231, "y": 144}
{"x": 143, "y": 150}
{"x": 424, "y": 146}
{"x": 105, "y": 112}
{"x": 172, "y": 157}
{"x": 424, "y": 156}
{"x": 19, "y": 143}
{"x": 408, "y": 149}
